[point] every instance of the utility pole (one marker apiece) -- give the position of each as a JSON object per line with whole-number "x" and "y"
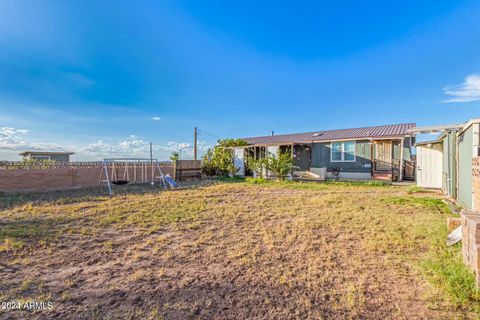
{"x": 195, "y": 143}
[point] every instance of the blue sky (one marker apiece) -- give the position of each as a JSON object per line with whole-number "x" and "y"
{"x": 104, "y": 79}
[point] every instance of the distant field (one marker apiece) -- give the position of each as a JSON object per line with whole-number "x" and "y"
{"x": 234, "y": 250}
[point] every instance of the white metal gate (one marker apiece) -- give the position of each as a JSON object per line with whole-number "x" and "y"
{"x": 429, "y": 167}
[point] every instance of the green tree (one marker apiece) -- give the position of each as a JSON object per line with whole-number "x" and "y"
{"x": 220, "y": 158}
{"x": 174, "y": 156}
{"x": 208, "y": 165}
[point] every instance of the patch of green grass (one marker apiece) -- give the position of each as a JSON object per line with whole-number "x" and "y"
{"x": 430, "y": 202}
{"x": 231, "y": 179}
{"x": 316, "y": 185}
{"x": 296, "y": 185}
{"x": 9, "y": 200}
{"x": 358, "y": 183}
{"x": 415, "y": 189}
{"x": 26, "y": 230}
{"x": 442, "y": 266}
{"x": 256, "y": 180}
{"x": 10, "y": 244}
{"x": 445, "y": 269}
{"x": 301, "y": 185}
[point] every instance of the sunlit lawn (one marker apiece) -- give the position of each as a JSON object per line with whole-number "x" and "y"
{"x": 235, "y": 249}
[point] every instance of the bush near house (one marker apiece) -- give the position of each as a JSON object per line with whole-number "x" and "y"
{"x": 219, "y": 160}
{"x": 279, "y": 166}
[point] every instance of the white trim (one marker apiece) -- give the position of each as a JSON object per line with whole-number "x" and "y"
{"x": 352, "y": 175}
{"x": 467, "y": 125}
{"x": 239, "y": 161}
{"x": 342, "y": 152}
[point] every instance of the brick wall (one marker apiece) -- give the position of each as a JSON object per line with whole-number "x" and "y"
{"x": 32, "y": 180}
{"x": 471, "y": 241}
{"x": 476, "y": 183}
{"x": 471, "y": 225}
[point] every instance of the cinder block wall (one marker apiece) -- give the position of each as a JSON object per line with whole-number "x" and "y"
{"x": 471, "y": 241}
{"x": 38, "y": 180}
{"x": 476, "y": 183}
{"x": 471, "y": 225}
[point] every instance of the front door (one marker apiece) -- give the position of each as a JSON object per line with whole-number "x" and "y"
{"x": 383, "y": 155}
{"x": 429, "y": 167}
{"x": 301, "y": 157}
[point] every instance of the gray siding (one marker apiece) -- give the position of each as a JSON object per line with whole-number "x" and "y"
{"x": 465, "y": 145}
{"x": 59, "y": 158}
{"x": 449, "y": 169}
{"x": 321, "y": 158}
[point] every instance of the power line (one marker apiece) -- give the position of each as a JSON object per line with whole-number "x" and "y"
{"x": 208, "y": 134}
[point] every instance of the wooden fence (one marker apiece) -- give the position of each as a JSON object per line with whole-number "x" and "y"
{"x": 188, "y": 169}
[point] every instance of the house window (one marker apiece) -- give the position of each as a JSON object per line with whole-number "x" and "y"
{"x": 42, "y": 158}
{"x": 342, "y": 151}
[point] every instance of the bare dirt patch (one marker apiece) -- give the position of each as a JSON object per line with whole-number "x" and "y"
{"x": 223, "y": 251}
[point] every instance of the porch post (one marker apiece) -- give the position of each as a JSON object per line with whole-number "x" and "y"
{"x": 400, "y": 175}
{"x": 372, "y": 161}
{"x": 291, "y": 151}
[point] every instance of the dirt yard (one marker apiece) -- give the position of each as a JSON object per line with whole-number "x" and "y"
{"x": 234, "y": 251}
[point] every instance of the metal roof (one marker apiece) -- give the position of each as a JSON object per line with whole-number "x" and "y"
{"x": 375, "y": 132}
{"x": 437, "y": 128}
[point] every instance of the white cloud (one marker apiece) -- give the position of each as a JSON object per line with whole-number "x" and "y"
{"x": 7, "y": 131}
{"x": 13, "y": 139}
{"x": 156, "y": 118}
{"x": 468, "y": 91}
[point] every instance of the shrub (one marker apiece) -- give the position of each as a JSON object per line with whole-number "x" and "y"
{"x": 208, "y": 165}
{"x": 220, "y": 158}
{"x": 254, "y": 165}
{"x": 280, "y": 165}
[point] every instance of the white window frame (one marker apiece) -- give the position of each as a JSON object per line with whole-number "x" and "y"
{"x": 342, "y": 151}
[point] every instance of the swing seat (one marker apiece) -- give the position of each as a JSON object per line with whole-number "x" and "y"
{"x": 120, "y": 182}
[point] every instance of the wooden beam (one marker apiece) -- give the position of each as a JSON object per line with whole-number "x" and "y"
{"x": 400, "y": 174}
{"x": 291, "y": 154}
{"x": 372, "y": 160}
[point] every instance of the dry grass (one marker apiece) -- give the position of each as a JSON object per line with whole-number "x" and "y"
{"x": 236, "y": 250}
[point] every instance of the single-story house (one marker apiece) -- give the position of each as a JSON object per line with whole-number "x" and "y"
{"x": 377, "y": 152}
{"x": 446, "y": 162}
{"x": 47, "y": 155}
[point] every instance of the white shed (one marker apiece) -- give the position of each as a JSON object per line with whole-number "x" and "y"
{"x": 429, "y": 164}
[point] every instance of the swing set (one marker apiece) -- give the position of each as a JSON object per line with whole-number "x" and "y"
{"x": 139, "y": 167}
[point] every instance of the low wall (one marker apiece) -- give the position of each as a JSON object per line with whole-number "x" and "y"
{"x": 63, "y": 178}
{"x": 476, "y": 183}
{"x": 471, "y": 241}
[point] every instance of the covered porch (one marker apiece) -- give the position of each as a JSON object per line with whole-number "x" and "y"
{"x": 391, "y": 159}
{"x": 381, "y": 159}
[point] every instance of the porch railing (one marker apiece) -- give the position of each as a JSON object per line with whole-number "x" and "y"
{"x": 380, "y": 165}
{"x": 394, "y": 168}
